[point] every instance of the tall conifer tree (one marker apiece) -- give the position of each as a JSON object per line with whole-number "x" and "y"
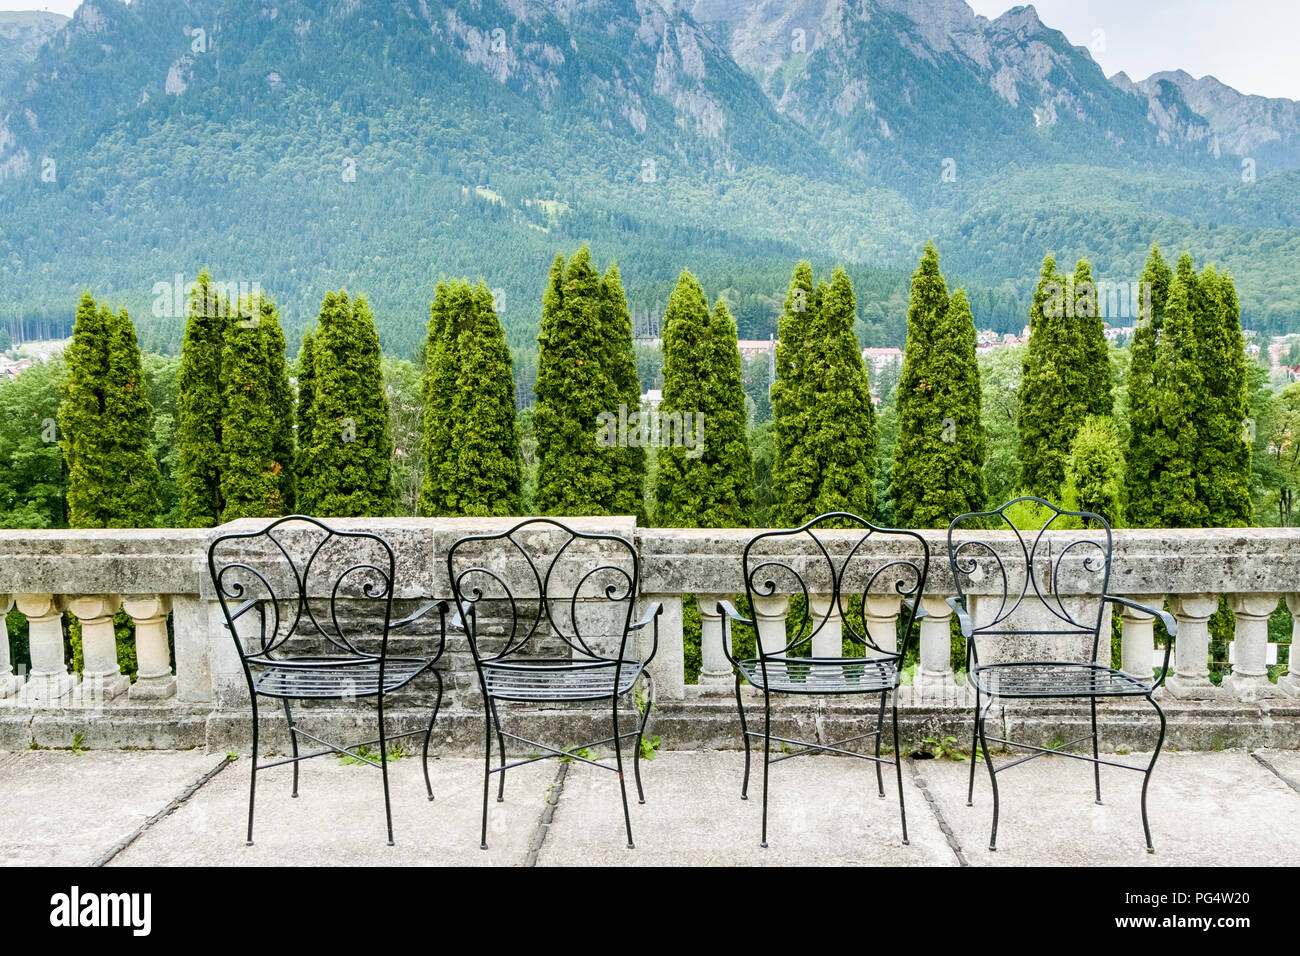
{"x": 1140, "y": 457}
{"x": 250, "y": 484}
{"x": 794, "y": 464}
{"x": 620, "y": 364}
{"x": 1094, "y": 352}
{"x": 305, "y": 416}
{"x": 683, "y": 482}
{"x": 198, "y": 426}
{"x": 280, "y": 398}
{"x": 1223, "y": 425}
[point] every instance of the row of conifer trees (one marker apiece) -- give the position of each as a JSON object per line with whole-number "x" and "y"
{"x": 250, "y": 446}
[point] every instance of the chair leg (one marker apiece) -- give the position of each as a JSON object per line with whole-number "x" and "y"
{"x": 1146, "y": 778}
{"x": 383, "y": 766}
{"x": 501, "y": 745}
{"x": 487, "y": 763}
{"x": 898, "y": 767}
{"x": 622, "y": 784}
{"x": 974, "y": 743}
{"x": 767, "y": 755}
{"x": 744, "y": 736}
{"x": 293, "y": 739}
{"x": 1096, "y": 767}
{"x": 880, "y": 728}
{"x": 252, "y": 783}
{"x": 640, "y": 737}
{"x": 437, "y": 703}
{"x": 988, "y": 762}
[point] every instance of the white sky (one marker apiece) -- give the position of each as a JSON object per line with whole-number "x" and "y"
{"x": 1248, "y": 44}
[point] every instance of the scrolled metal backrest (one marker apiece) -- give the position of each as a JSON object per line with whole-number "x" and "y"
{"x": 864, "y": 562}
{"x": 1079, "y": 557}
{"x": 543, "y": 578}
{"x": 302, "y": 578}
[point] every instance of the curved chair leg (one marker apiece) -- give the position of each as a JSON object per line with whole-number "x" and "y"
{"x": 640, "y": 737}
{"x": 437, "y": 703}
{"x": 767, "y": 755}
{"x": 1146, "y": 778}
{"x": 974, "y": 743}
{"x": 501, "y": 744}
{"x": 252, "y": 783}
{"x": 744, "y": 736}
{"x": 487, "y": 764}
{"x": 988, "y": 762}
{"x": 880, "y": 727}
{"x": 622, "y": 784}
{"x": 898, "y": 767}
{"x": 383, "y": 766}
{"x": 293, "y": 739}
{"x": 1096, "y": 767}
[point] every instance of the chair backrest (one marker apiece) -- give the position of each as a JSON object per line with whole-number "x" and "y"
{"x": 301, "y": 577}
{"x": 836, "y": 562}
{"x": 541, "y": 579}
{"x": 1032, "y": 592}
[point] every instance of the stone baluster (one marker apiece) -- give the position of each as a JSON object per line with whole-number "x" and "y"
{"x": 769, "y": 620}
{"x": 49, "y": 679}
{"x": 154, "y": 681}
{"x": 1290, "y": 681}
{"x": 669, "y": 665}
{"x": 1249, "y": 678}
{"x": 715, "y": 667}
{"x": 829, "y": 639}
{"x": 880, "y": 614}
{"x": 10, "y": 683}
{"x": 1191, "y": 676}
{"x": 1138, "y": 638}
{"x": 935, "y": 672}
{"x": 101, "y": 676}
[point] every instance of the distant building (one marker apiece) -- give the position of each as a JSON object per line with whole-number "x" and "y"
{"x": 879, "y": 358}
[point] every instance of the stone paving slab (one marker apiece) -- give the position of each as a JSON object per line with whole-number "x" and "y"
{"x": 338, "y": 818}
{"x": 1207, "y": 809}
{"x": 822, "y": 811}
{"x": 67, "y": 809}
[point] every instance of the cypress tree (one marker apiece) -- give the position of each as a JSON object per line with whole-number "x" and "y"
{"x": 305, "y": 417}
{"x": 1052, "y": 387}
{"x": 725, "y": 431}
{"x": 794, "y": 464}
{"x": 198, "y": 427}
{"x": 842, "y": 420}
{"x": 575, "y": 475}
{"x": 1094, "y": 472}
{"x": 1140, "y": 457}
{"x": 470, "y": 432}
{"x": 1094, "y": 353}
{"x": 280, "y": 398}
{"x": 620, "y": 364}
{"x": 107, "y": 424}
{"x": 439, "y": 388}
{"x": 250, "y": 485}
{"x": 939, "y": 452}
{"x": 1177, "y": 380}
{"x": 1224, "y": 474}
{"x": 683, "y": 481}
{"x": 351, "y": 449}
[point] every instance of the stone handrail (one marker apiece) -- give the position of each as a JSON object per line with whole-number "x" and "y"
{"x": 151, "y": 574}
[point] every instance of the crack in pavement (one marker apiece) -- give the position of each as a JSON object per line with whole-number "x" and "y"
{"x": 948, "y": 833}
{"x": 1294, "y": 785}
{"x": 548, "y": 814}
{"x": 172, "y": 806}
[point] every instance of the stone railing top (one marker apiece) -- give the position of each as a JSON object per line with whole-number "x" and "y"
{"x": 674, "y": 560}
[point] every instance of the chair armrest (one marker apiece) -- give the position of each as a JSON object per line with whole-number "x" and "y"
{"x": 1171, "y": 625}
{"x": 728, "y": 610}
{"x": 963, "y": 616}
{"x": 651, "y": 612}
{"x": 416, "y": 615}
{"x": 919, "y": 612}
{"x": 237, "y": 612}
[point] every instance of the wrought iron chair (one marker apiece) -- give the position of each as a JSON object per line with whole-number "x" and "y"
{"x": 1051, "y": 592}
{"x": 876, "y": 563}
{"x": 543, "y": 586}
{"x": 332, "y": 590}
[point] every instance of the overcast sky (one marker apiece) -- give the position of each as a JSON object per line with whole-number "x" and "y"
{"x": 1248, "y": 44}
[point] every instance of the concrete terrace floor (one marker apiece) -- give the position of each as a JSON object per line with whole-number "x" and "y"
{"x": 160, "y": 808}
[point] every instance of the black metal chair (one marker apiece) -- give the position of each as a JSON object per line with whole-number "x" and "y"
{"x": 882, "y": 562}
{"x": 332, "y": 590}
{"x": 543, "y": 586}
{"x": 1052, "y": 591}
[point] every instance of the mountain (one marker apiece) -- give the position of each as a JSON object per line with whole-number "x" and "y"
{"x": 304, "y": 145}
{"x": 22, "y": 33}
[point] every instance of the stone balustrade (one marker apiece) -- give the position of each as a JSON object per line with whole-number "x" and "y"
{"x": 189, "y": 689}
